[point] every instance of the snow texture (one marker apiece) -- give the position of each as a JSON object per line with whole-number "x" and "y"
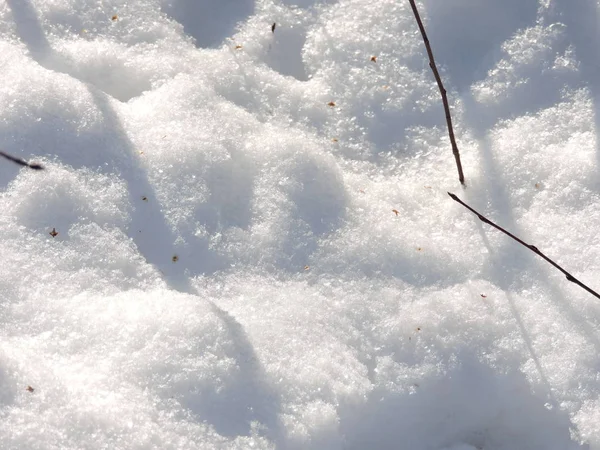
{"x": 255, "y": 246}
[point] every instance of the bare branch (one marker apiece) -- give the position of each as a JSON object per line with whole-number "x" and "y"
{"x": 533, "y": 248}
{"x": 436, "y": 74}
{"x": 21, "y": 162}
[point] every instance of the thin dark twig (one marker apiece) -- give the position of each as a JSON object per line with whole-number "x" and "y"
{"x": 533, "y": 248}
{"x": 21, "y": 162}
{"x": 436, "y": 74}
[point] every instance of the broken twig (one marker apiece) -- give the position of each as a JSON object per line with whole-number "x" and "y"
{"x": 436, "y": 74}
{"x": 21, "y": 162}
{"x": 533, "y": 248}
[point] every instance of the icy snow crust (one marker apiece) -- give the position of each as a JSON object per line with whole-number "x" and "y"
{"x": 229, "y": 271}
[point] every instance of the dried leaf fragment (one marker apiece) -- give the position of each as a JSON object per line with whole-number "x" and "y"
{"x": 335, "y": 140}
{"x": 29, "y": 389}
{"x": 332, "y": 104}
{"x": 237, "y": 47}
{"x": 145, "y": 198}
{"x": 483, "y": 295}
{"x": 53, "y": 233}
{"x": 175, "y": 258}
{"x": 115, "y": 17}
{"x": 395, "y": 211}
{"x": 306, "y": 267}
{"x": 374, "y": 59}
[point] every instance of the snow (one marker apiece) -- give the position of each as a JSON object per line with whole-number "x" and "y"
{"x": 255, "y": 244}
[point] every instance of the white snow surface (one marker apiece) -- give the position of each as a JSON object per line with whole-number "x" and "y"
{"x": 256, "y": 249}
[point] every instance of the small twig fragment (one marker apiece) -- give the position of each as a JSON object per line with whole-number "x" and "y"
{"x": 21, "y": 162}
{"x": 273, "y": 27}
{"x": 533, "y": 248}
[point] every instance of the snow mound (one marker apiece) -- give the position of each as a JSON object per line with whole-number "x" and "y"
{"x": 243, "y": 238}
